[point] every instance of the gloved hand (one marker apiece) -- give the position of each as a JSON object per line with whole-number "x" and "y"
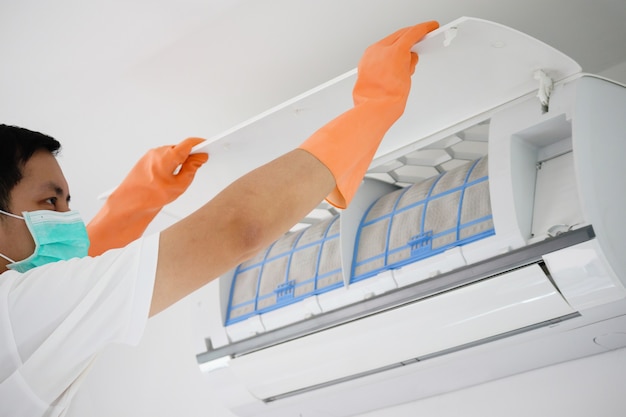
{"x": 348, "y": 143}
{"x": 149, "y": 186}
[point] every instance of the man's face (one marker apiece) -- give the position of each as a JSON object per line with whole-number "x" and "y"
{"x": 43, "y": 187}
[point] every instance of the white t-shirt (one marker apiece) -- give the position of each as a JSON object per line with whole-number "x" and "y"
{"x": 55, "y": 319}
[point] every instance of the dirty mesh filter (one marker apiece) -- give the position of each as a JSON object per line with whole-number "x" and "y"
{"x": 425, "y": 219}
{"x": 476, "y": 211}
{"x": 442, "y": 218}
{"x": 383, "y": 206}
{"x": 316, "y": 256}
{"x": 416, "y": 193}
{"x": 404, "y": 225}
{"x": 376, "y": 227}
{"x": 479, "y": 171}
{"x": 287, "y": 271}
{"x": 451, "y": 179}
{"x": 403, "y": 228}
{"x": 372, "y": 248}
{"x": 244, "y": 287}
{"x": 329, "y": 271}
{"x": 303, "y": 268}
{"x": 274, "y": 271}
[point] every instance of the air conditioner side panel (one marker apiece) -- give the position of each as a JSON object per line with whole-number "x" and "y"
{"x": 599, "y": 137}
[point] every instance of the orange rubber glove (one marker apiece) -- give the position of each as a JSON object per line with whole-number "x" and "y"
{"x": 149, "y": 186}
{"x": 348, "y": 143}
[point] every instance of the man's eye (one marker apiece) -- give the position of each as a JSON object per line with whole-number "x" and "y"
{"x": 52, "y": 200}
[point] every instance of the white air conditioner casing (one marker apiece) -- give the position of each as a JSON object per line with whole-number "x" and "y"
{"x": 547, "y": 286}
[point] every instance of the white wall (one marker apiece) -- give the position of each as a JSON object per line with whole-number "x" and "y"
{"x": 159, "y": 377}
{"x": 616, "y": 72}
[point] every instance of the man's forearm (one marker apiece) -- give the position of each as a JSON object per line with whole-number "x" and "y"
{"x": 243, "y": 219}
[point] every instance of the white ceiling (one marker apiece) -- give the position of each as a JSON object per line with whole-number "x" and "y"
{"x": 111, "y": 79}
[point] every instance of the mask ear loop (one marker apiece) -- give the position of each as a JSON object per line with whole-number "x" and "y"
{"x": 7, "y": 258}
{"x": 11, "y": 215}
{"x": 17, "y": 217}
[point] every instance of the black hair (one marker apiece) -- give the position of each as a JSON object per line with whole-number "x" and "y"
{"x": 17, "y": 146}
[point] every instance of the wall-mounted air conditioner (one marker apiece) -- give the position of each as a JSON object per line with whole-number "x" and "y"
{"x": 486, "y": 240}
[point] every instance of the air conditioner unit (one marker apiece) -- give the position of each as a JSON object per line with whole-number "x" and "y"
{"x": 486, "y": 240}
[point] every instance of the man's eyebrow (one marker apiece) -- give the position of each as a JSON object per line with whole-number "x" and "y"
{"x": 57, "y": 190}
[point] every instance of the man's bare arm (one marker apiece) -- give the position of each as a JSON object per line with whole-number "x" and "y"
{"x": 243, "y": 219}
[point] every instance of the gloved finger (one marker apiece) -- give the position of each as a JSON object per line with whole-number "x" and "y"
{"x": 181, "y": 151}
{"x": 187, "y": 144}
{"x": 391, "y": 39}
{"x": 413, "y": 64}
{"x": 190, "y": 166}
{"x": 414, "y": 34}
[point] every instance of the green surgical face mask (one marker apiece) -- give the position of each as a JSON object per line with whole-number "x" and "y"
{"x": 58, "y": 236}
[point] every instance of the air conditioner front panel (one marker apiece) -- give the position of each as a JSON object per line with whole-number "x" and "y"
{"x": 485, "y": 65}
{"x": 520, "y": 298}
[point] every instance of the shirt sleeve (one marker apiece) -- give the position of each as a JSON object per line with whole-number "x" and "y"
{"x": 62, "y": 314}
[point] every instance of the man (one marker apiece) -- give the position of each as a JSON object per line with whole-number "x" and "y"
{"x": 60, "y": 308}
